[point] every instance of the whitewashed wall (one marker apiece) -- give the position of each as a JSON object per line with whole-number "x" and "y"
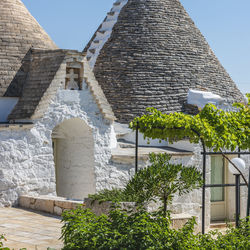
{"x": 26, "y": 156}
{"x": 117, "y": 175}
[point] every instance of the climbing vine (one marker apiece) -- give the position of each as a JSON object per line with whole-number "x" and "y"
{"x": 217, "y": 128}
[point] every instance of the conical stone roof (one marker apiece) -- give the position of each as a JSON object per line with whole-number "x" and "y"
{"x": 19, "y": 31}
{"x": 154, "y": 54}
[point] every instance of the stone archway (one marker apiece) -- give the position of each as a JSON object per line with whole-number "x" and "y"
{"x": 73, "y": 147}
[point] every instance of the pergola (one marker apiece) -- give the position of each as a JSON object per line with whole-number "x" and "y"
{"x": 205, "y": 153}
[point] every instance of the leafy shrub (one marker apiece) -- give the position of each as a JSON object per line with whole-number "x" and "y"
{"x": 248, "y": 97}
{"x": 119, "y": 230}
{"x": 2, "y": 238}
{"x": 159, "y": 181}
{"x": 114, "y": 195}
{"x": 142, "y": 230}
{"x": 234, "y": 238}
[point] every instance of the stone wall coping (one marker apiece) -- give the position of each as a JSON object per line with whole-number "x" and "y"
{"x": 127, "y": 155}
{"x": 49, "y": 204}
{"x": 8, "y": 126}
{"x": 56, "y": 205}
{"x": 177, "y": 220}
{"x": 181, "y": 216}
{"x": 52, "y": 198}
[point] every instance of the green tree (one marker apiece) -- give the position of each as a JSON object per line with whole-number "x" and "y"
{"x": 162, "y": 180}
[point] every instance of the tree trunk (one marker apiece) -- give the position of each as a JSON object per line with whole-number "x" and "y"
{"x": 164, "y": 206}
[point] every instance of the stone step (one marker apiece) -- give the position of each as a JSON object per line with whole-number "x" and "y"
{"x": 102, "y": 100}
{"x": 108, "y": 25}
{"x": 109, "y": 117}
{"x": 127, "y": 155}
{"x": 220, "y": 224}
{"x": 107, "y": 112}
{"x": 111, "y": 13}
{"x": 92, "y": 51}
{"x": 97, "y": 92}
{"x": 105, "y": 106}
{"x": 121, "y": 131}
{"x": 88, "y": 73}
{"x": 126, "y": 145}
{"x": 91, "y": 80}
{"x": 102, "y": 31}
{"x": 117, "y": 3}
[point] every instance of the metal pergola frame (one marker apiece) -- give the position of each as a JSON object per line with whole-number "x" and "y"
{"x": 204, "y": 154}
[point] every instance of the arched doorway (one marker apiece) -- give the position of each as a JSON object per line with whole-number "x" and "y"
{"x": 73, "y": 147}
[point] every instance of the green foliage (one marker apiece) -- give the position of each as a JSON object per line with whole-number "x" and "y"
{"x": 234, "y": 238}
{"x": 114, "y": 195}
{"x": 141, "y": 230}
{"x": 248, "y": 97}
{"x": 161, "y": 180}
{"x": 217, "y": 128}
{"x": 2, "y": 238}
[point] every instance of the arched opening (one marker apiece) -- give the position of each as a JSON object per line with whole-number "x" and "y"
{"x": 73, "y": 147}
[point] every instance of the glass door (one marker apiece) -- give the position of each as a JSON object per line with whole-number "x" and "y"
{"x": 218, "y": 204}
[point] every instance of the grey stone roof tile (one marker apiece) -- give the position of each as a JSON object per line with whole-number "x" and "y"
{"x": 39, "y": 88}
{"x": 154, "y": 55}
{"x": 19, "y": 31}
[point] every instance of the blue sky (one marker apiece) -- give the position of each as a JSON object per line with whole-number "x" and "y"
{"x": 224, "y": 23}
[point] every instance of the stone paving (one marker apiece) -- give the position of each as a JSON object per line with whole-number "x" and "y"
{"x": 29, "y": 229}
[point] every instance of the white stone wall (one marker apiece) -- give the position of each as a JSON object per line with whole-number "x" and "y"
{"x": 117, "y": 175}
{"x": 26, "y": 156}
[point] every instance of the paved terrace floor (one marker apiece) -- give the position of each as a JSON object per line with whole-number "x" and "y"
{"x": 30, "y": 230}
